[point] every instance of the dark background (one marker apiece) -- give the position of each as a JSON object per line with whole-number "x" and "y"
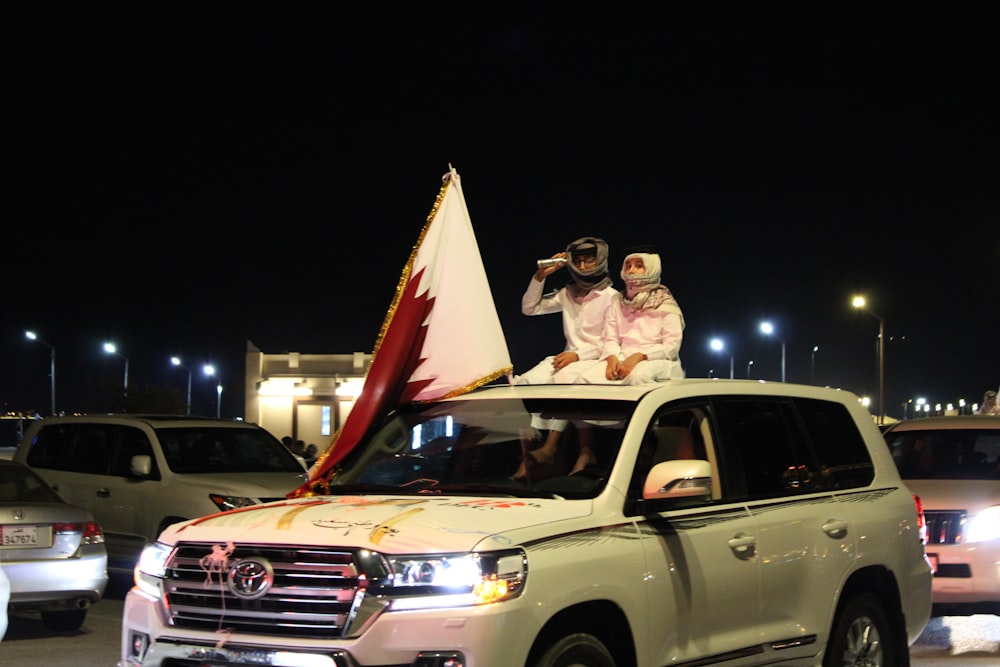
{"x": 183, "y": 178}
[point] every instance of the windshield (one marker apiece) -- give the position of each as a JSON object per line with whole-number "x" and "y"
{"x": 214, "y": 450}
{"x": 946, "y": 453}
{"x": 474, "y": 446}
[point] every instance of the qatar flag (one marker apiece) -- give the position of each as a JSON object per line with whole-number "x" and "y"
{"x": 441, "y": 337}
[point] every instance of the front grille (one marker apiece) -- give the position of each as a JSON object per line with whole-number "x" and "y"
{"x": 944, "y": 527}
{"x": 315, "y": 592}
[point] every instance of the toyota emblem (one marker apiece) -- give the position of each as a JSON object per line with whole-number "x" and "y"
{"x": 250, "y": 579}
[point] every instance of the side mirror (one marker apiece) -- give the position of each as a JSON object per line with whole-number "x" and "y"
{"x": 682, "y": 478}
{"x": 141, "y": 465}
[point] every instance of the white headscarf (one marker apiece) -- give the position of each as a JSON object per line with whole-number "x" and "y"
{"x": 647, "y": 292}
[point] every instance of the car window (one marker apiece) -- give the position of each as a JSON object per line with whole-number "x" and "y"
{"x": 946, "y": 453}
{"x": 85, "y": 448}
{"x": 762, "y": 457}
{"x": 223, "y": 450}
{"x": 52, "y": 447}
{"x": 839, "y": 448}
{"x": 677, "y": 431}
{"x": 91, "y": 452}
{"x": 130, "y": 442}
{"x": 468, "y": 444}
{"x": 18, "y": 483}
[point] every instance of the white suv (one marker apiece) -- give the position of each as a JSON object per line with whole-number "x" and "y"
{"x": 729, "y": 522}
{"x": 140, "y": 473}
{"x": 953, "y": 464}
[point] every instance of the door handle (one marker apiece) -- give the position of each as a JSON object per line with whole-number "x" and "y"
{"x": 835, "y": 528}
{"x": 103, "y": 493}
{"x": 743, "y": 545}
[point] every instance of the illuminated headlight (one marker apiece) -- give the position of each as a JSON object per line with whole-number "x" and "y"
{"x": 983, "y": 527}
{"x": 454, "y": 580}
{"x": 225, "y": 503}
{"x": 149, "y": 571}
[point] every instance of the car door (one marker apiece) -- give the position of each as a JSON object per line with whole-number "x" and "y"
{"x": 703, "y": 579}
{"x": 803, "y": 532}
{"x": 124, "y": 499}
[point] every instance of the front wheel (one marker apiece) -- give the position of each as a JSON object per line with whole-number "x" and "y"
{"x": 861, "y": 636}
{"x": 577, "y": 650}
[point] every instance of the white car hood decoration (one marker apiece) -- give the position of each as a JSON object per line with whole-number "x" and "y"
{"x": 392, "y": 524}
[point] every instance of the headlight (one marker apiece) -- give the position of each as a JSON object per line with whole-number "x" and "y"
{"x": 453, "y": 580}
{"x": 148, "y": 573}
{"x": 225, "y": 503}
{"x": 983, "y": 527}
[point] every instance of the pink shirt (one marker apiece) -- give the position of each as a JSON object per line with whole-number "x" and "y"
{"x": 656, "y": 333}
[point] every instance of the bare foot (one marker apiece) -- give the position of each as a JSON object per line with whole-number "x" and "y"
{"x": 584, "y": 460}
{"x": 533, "y": 458}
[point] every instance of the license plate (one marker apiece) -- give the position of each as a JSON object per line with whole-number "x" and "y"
{"x": 933, "y": 558}
{"x": 19, "y": 536}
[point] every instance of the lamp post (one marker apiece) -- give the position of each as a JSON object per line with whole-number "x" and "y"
{"x": 177, "y": 362}
{"x": 111, "y": 349}
{"x": 717, "y": 345}
{"x": 860, "y": 304}
{"x": 210, "y": 370}
{"x": 767, "y": 329}
{"x": 749, "y": 364}
{"x": 812, "y": 363}
{"x": 52, "y": 364}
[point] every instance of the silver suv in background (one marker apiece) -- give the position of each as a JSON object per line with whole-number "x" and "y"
{"x": 140, "y": 473}
{"x": 953, "y": 464}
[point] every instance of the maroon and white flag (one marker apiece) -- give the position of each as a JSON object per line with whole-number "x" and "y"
{"x": 441, "y": 337}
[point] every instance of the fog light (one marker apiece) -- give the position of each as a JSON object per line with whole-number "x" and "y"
{"x": 140, "y": 641}
{"x": 439, "y": 659}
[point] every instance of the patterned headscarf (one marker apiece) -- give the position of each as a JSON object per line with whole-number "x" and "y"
{"x": 647, "y": 292}
{"x": 585, "y": 280}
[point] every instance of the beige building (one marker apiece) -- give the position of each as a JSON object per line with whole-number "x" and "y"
{"x": 306, "y": 396}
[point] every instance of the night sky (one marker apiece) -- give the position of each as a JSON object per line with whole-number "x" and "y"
{"x": 184, "y": 178}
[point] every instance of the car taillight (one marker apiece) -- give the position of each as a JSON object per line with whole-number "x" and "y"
{"x": 921, "y": 523}
{"x": 90, "y": 531}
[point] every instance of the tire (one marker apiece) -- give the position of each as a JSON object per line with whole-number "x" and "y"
{"x": 862, "y": 636}
{"x": 577, "y": 650}
{"x": 64, "y": 621}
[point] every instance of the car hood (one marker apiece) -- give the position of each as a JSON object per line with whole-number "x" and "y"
{"x": 269, "y": 485}
{"x": 391, "y": 524}
{"x": 972, "y": 495}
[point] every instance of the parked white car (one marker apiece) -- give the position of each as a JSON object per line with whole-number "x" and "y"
{"x": 724, "y": 522}
{"x": 953, "y": 464}
{"x": 140, "y": 473}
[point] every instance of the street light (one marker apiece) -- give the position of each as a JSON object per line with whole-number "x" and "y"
{"x": 767, "y": 329}
{"x": 111, "y": 349}
{"x": 210, "y": 370}
{"x": 812, "y": 363}
{"x": 749, "y": 364}
{"x": 860, "y": 304}
{"x": 52, "y": 364}
{"x": 717, "y": 345}
{"x": 177, "y": 362}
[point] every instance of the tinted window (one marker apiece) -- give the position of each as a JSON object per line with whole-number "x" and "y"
{"x": 762, "y": 458}
{"x": 946, "y": 453}
{"x": 207, "y": 449}
{"x": 52, "y": 447}
{"x": 464, "y": 445}
{"x": 837, "y": 444}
